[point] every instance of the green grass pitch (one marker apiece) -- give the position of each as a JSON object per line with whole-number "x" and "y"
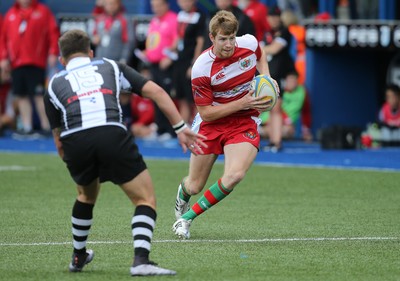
{"x": 278, "y": 224}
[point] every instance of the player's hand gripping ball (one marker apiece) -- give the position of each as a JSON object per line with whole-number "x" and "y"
{"x": 263, "y": 86}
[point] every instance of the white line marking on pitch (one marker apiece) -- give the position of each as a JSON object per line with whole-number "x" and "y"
{"x": 216, "y": 241}
{"x": 16, "y": 168}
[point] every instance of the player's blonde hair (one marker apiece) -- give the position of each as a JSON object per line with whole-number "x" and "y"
{"x": 225, "y": 22}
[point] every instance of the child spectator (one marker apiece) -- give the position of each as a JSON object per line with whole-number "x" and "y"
{"x": 293, "y": 102}
{"x": 389, "y": 114}
{"x": 138, "y": 112}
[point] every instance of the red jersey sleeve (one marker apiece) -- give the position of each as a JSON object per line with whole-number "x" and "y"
{"x": 202, "y": 92}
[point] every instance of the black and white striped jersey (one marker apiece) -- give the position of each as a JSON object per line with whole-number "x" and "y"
{"x": 86, "y": 94}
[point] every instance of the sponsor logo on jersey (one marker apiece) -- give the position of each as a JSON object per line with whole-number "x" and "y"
{"x": 220, "y": 76}
{"x": 244, "y": 63}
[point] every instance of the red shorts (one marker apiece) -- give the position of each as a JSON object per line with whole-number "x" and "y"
{"x": 228, "y": 130}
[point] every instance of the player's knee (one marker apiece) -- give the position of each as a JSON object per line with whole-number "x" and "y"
{"x": 194, "y": 187}
{"x": 233, "y": 178}
{"x": 148, "y": 201}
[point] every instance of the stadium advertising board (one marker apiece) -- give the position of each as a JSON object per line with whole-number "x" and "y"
{"x": 85, "y": 22}
{"x": 355, "y": 34}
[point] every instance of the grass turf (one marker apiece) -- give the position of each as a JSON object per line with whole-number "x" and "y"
{"x": 265, "y": 230}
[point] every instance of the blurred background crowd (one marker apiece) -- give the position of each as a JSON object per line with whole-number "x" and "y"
{"x": 337, "y": 61}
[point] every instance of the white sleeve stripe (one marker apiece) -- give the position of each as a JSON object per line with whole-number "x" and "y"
{"x": 118, "y": 86}
{"x": 281, "y": 41}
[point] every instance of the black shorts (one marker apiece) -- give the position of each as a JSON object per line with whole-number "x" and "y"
{"x": 183, "y": 84}
{"x": 28, "y": 81}
{"x": 106, "y": 152}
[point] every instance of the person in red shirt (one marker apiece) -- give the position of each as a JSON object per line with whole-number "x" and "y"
{"x": 390, "y": 111}
{"x": 257, "y": 12}
{"x": 143, "y": 125}
{"x": 98, "y": 9}
{"x": 4, "y": 89}
{"x": 28, "y": 45}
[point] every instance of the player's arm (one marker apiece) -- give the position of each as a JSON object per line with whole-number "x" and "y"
{"x": 203, "y": 97}
{"x": 262, "y": 64}
{"x": 148, "y": 89}
{"x": 263, "y": 68}
{"x": 57, "y": 142}
{"x": 54, "y": 117}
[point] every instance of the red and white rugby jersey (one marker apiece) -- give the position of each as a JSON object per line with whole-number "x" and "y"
{"x": 217, "y": 81}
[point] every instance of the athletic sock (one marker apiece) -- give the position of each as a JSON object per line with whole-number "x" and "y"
{"x": 183, "y": 194}
{"x": 143, "y": 222}
{"x": 82, "y": 214}
{"x": 212, "y": 196}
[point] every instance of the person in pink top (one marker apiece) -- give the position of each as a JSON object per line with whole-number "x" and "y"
{"x": 228, "y": 117}
{"x": 161, "y": 39}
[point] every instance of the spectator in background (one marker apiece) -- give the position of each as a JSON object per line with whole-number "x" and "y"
{"x": 143, "y": 125}
{"x": 113, "y": 33}
{"x": 7, "y": 101}
{"x": 280, "y": 65}
{"x": 98, "y": 9}
{"x": 4, "y": 93}
{"x": 368, "y": 9}
{"x": 389, "y": 113}
{"x": 297, "y": 46}
{"x": 191, "y": 31}
{"x": 8, "y": 114}
{"x": 28, "y": 45}
{"x": 138, "y": 112}
{"x": 257, "y": 12}
{"x": 161, "y": 39}
{"x": 246, "y": 25}
{"x": 293, "y": 101}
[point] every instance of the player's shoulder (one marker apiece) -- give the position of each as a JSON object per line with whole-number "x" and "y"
{"x": 203, "y": 64}
{"x": 248, "y": 41}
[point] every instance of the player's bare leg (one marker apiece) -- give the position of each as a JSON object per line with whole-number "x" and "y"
{"x": 141, "y": 193}
{"x": 275, "y": 126}
{"x": 82, "y": 215}
{"x": 199, "y": 170}
{"x": 238, "y": 159}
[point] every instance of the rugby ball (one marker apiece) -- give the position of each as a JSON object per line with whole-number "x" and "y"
{"x": 264, "y": 87}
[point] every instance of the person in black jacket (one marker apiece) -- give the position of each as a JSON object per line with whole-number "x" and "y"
{"x": 277, "y": 46}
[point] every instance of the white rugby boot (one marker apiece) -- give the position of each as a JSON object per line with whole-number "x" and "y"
{"x": 150, "y": 269}
{"x": 181, "y": 206}
{"x": 181, "y": 228}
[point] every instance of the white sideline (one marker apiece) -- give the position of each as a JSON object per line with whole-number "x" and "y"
{"x": 215, "y": 241}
